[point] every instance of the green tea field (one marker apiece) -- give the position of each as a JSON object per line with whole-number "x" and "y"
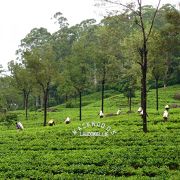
{"x": 113, "y": 147}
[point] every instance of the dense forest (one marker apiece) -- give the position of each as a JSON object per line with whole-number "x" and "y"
{"x": 51, "y": 69}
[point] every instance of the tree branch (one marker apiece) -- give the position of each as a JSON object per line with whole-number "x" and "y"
{"x": 138, "y": 24}
{"x": 140, "y": 63}
{"x": 139, "y": 2}
{"x": 141, "y": 19}
{"x": 123, "y": 5}
{"x": 152, "y": 23}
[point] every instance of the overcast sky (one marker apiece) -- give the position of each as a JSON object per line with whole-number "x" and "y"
{"x": 18, "y": 17}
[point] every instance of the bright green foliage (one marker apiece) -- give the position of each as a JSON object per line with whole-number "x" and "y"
{"x": 81, "y": 57}
{"x": 8, "y": 119}
{"x": 9, "y": 95}
{"x": 23, "y": 81}
{"x": 56, "y": 153}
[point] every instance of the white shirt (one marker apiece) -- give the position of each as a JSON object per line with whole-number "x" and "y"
{"x": 165, "y": 114}
{"x": 139, "y": 109}
{"x": 118, "y": 112}
{"x": 67, "y": 119}
{"x": 141, "y": 113}
{"x": 101, "y": 113}
{"x": 20, "y": 125}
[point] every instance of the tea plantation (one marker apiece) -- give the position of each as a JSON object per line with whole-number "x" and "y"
{"x": 118, "y": 149}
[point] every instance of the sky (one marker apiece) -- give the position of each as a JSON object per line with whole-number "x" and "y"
{"x": 19, "y": 17}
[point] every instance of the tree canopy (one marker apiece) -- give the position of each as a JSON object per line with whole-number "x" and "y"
{"x": 128, "y": 50}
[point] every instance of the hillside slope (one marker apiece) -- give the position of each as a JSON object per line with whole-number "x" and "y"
{"x": 113, "y": 147}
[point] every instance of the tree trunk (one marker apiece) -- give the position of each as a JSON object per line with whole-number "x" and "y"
{"x": 144, "y": 90}
{"x": 26, "y": 97}
{"x": 26, "y": 105}
{"x": 80, "y": 104}
{"x": 37, "y": 102}
{"x": 130, "y": 102}
{"x": 45, "y": 105}
{"x": 157, "y": 95}
{"x": 66, "y": 97}
{"x": 141, "y": 92}
{"x": 95, "y": 78}
{"x": 41, "y": 101}
{"x": 102, "y": 99}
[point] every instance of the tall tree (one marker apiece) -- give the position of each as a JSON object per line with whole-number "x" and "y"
{"x": 157, "y": 61}
{"x": 77, "y": 65}
{"x": 23, "y": 81}
{"x": 170, "y": 34}
{"x": 10, "y": 97}
{"x": 37, "y": 54}
{"x": 142, "y": 49}
{"x": 41, "y": 62}
{"x": 78, "y": 71}
{"x": 107, "y": 60}
{"x": 129, "y": 84}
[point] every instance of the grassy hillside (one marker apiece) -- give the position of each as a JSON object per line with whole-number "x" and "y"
{"x": 124, "y": 152}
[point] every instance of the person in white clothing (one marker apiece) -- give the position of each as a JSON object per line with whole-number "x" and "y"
{"x": 67, "y": 121}
{"x": 19, "y": 126}
{"x": 118, "y": 112}
{"x": 101, "y": 114}
{"x": 167, "y": 107}
{"x": 166, "y": 113}
{"x": 141, "y": 113}
{"x": 139, "y": 110}
{"x": 51, "y": 122}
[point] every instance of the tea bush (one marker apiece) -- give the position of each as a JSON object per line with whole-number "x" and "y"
{"x": 8, "y": 119}
{"x": 57, "y": 153}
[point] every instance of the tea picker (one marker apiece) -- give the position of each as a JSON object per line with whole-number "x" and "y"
{"x": 19, "y": 126}
{"x": 51, "y": 122}
{"x": 166, "y": 113}
{"x": 101, "y": 114}
{"x": 67, "y": 120}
